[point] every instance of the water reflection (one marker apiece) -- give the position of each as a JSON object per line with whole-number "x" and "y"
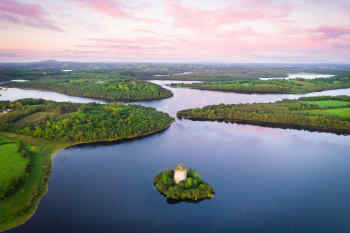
{"x": 266, "y": 179}
{"x": 185, "y": 98}
{"x": 13, "y": 94}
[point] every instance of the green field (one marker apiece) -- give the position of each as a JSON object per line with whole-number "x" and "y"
{"x": 337, "y": 112}
{"x": 12, "y": 166}
{"x": 21, "y": 204}
{"x": 5, "y": 140}
{"x": 329, "y": 103}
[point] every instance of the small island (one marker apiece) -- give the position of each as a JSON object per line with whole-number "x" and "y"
{"x": 182, "y": 185}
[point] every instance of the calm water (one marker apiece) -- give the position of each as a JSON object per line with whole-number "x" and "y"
{"x": 13, "y": 94}
{"x": 266, "y": 180}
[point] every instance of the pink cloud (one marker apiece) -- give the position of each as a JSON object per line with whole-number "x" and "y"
{"x": 114, "y": 8}
{"x": 144, "y": 31}
{"x": 195, "y": 30}
{"x": 107, "y": 7}
{"x": 26, "y": 14}
{"x": 195, "y": 18}
{"x": 331, "y": 32}
{"x": 140, "y": 45}
{"x": 139, "y": 40}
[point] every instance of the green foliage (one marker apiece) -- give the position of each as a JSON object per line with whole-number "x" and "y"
{"x": 81, "y": 122}
{"x": 325, "y": 113}
{"x": 280, "y": 86}
{"x": 107, "y": 88}
{"x": 189, "y": 183}
{"x": 194, "y": 174}
{"x": 194, "y": 188}
{"x": 45, "y": 126}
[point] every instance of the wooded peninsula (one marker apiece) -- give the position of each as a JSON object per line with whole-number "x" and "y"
{"x": 275, "y": 86}
{"x": 31, "y": 130}
{"x": 110, "y": 89}
{"x": 323, "y": 113}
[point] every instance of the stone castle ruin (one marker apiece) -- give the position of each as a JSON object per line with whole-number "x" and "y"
{"x": 180, "y": 173}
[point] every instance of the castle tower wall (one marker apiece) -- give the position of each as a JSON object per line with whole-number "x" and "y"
{"x": 180, "y": 173}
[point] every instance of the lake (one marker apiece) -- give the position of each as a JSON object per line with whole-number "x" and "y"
{"x": 266, "y": 179}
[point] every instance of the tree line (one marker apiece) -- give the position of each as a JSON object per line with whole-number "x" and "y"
{"x": 277, "y": 86}
{"x": 100, "y": 88}
{"x": 299, "y": 114}
{"x": 73, "y": 122}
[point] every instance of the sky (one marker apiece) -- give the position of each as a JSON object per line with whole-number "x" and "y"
{"x": 279, "y": 31}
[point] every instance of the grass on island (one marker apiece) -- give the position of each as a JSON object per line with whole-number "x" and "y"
{"x": 323, "y": 113}
{"x": 34, "y": 129}
{"x": 278, "y": 86}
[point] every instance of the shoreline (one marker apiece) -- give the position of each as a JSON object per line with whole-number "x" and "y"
{"x": 261, "y": 93}
{"x": 94, "y": 98}
{"x": 272, "y": 125}
{"x": 50, "y": 155}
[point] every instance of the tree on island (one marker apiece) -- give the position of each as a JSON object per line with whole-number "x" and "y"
{"x": 180, "y": 184}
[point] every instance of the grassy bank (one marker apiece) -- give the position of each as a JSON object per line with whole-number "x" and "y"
{"x": 21, "y": 204}
{"x": 13, "y": 166}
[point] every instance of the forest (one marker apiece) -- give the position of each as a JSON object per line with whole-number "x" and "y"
{"x": 277, "y": 86}
{"x": 194, "y": 188}
{"x": 32, "y": 129}
{"x": 73, "y": 122}
{"x": 100, "y": 88}
{"x": 323, "y": 113}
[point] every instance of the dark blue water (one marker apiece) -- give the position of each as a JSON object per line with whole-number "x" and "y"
{"x": 266, "y": 180}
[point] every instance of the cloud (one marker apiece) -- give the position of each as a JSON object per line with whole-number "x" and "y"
{"x": 108, "y": 7}
{"x": 216, "y": 30}
{"x": 32, "y": 15}
{"x": 140, "y": 45}
{"x": 115, "y": 9}
{"x": 196, "y": 18}
{"x": 139, "y": 40}
{"x": 331, "y": 32}
{"x": 6, "y": 54}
